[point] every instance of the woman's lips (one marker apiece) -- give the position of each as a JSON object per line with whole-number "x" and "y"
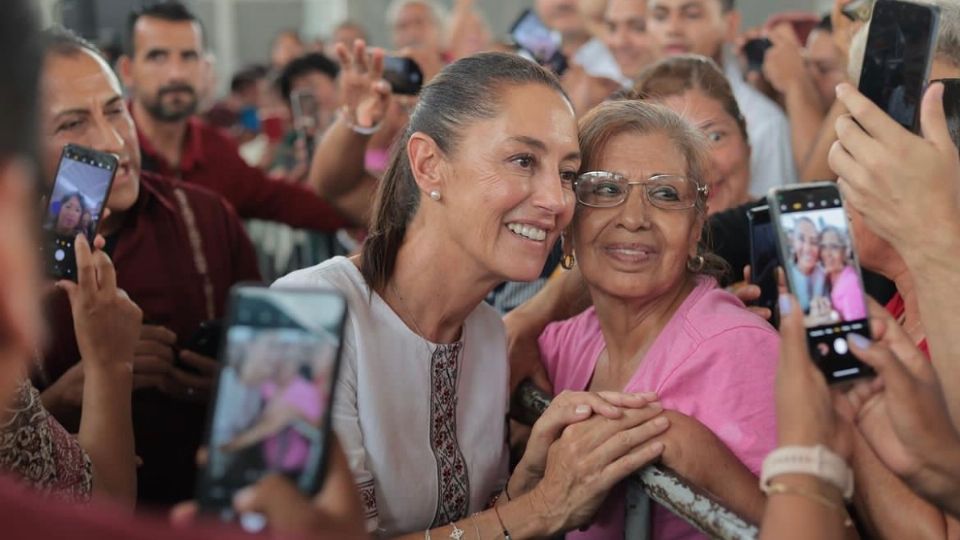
{"x": 630, "y": 253}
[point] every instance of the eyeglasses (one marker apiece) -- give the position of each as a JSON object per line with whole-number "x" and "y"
{"x": 603, "y": 189}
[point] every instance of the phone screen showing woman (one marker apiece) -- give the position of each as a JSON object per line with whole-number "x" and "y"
{"x": 272, "y": 408}
{"x": 823, "y": 274}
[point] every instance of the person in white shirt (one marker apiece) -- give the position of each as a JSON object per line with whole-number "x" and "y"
{"x": 476, "y": 193}
{"x": 579, "y": 45}
{"x": 706, "y": 27}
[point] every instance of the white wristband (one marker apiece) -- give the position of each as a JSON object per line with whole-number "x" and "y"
{"x": 816, "y": 461}
{"x": 357, "y": 128}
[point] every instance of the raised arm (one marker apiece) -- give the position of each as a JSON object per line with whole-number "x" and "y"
{"x": 107, "y": 327}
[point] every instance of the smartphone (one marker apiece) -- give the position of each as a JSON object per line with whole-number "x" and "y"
{"x": 858, "y": 10}
{"x": 306, "y": 117}
{"x": 272, "y": 408}
{"x": 822, "y": 270}
{"x": 206, "y": 340}
{"x": 403, "y": 74}
{"x": 951, "y": 107}
{"x": 539, "y": 43}
{"x": 755, "y": 50}
{"x": 764, "y": 259}
{"x": 75, "y": 205}
{"x": 898, "y": 55}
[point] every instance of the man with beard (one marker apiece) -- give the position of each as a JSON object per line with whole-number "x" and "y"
{"x": 163, "y": 67}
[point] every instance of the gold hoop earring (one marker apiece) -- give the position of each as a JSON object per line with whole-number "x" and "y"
{"x": 567, "y": 262}
{"x": 696, "y": 264}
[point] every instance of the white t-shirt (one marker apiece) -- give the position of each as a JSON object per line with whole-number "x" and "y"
{"x": 771, "y": 149}
{"x": 423, "y": 425}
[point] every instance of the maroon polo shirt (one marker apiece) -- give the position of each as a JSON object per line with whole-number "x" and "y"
{"x": 156, "y": 266}
{"x": 211, "y": 160}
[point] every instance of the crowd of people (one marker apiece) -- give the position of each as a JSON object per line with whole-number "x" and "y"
{"x": 586, "y": 231}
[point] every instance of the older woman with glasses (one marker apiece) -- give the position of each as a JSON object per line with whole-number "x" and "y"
{"x": 659, "y": 321}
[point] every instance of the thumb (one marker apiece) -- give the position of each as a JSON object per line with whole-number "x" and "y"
{"x": 933, "y": 119}
{"x": 279, "y": 501}
{"x": 793, "y": 336}
{"x": 896, "y": 378}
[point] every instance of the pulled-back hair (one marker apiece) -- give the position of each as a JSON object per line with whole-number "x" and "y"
{"x": 612, "y": 118}
{"x": 469, "y": 90}
{"x": 677, "y": 75}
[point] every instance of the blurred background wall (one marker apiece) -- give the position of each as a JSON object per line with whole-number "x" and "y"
{"x": 240, "y": 31}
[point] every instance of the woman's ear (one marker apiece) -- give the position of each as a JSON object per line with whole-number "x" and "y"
{"x": 426, "y": 163}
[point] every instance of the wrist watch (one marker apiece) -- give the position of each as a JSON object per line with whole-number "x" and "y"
{"x": 817, "y": 461}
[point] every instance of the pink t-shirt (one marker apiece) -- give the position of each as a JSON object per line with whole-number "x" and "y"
{"x": 847, "y": 297}
{"x": 714, "y": 361}
{"x": 288, "y": 450}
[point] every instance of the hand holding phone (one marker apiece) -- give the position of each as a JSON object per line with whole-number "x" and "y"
{"x": 273, "y": 400}
{"x": 899, "y": 52}
{"x": 75, "y": 205}
{"x": 823, "y": 273}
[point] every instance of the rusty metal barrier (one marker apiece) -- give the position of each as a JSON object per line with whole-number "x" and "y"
{"x": 654, "y": 482}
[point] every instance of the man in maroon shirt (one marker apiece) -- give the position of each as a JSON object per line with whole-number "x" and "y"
{"x": 177, "y": 247}
{"x": 335, "y": 513}
{"x": 163, "y": 68}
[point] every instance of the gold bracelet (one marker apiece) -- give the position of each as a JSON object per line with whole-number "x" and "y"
{"x": 783, "y": 489}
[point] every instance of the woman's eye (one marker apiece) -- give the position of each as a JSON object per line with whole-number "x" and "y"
{"x": 715, "y": 136}
{"x": 665, "y": 193}
{"x": 525, "y": 162}
{"x": 608, "y": 189}
{"x": 568, "y": 177}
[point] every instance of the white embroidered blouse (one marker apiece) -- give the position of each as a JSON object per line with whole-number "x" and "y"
{"x": 423, "y": 425}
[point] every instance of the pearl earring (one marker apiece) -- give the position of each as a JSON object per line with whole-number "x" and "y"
{"x": 435, "y": 195}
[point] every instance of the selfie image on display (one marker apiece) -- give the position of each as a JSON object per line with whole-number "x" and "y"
{"x": 75, "y": 205}
{"x": 823, "y": 274}
{"x": 271, "y": 412}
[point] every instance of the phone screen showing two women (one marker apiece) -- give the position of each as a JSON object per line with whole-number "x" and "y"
{"x": 823, "y": 274}
{"x": 271, "y": 411}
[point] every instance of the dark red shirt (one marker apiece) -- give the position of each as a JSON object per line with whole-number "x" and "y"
{"x": 211, "y": 160}
{"x": 156, "y": 266}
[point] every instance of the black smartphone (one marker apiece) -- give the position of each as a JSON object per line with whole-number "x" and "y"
{"x": 75, "y": 205}
{"x": 403, "y": 74}
{"x": 898, "y": 55}
{"x": 755, "y": 50}
{"x": 537, "y": 42}
{"x": 206, "y": 340}
{"x": 764, "y": 259}
{"x": 306, "y": 117}
{"x": 858, "y": 10}
{"x": 820, "y": 263}
{"x": 951, "y": 107}
{"x": 272, "y": 409}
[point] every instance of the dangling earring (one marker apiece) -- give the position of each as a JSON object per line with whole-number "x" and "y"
{"x": 696, "y": 264}
{"x": 435, "y": 195}
{"x": 567, "y": 261}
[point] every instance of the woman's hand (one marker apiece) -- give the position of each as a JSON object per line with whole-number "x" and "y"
{"x": 363, "y": 91}
{"x": 335, "y": 512}
{"x": 900, "y": 182}
{"x": 566, "y": 409}
{"x": 902, "y": 413}
{"x": 106, "y": 322}
{"x": 806, "y": 413}
{"x": 589, "y": 458}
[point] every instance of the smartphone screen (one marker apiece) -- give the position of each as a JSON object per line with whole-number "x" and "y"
{"x": 305, "y": 111}
{"x": 764, "y": 259}
{"x": 896, "y": 62}
{"x": 271, "y": 413}
{"x": 540, "y": 43}
{"x": 823, "y": 273}
{"x": 403, "y": 74}
{"x": 951, "y": 107}
{"x": 75, "y": 205}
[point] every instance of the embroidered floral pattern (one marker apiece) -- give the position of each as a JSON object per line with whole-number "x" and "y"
{"x": 34, "y": 446}
{"x": 453, "y": 501}
{"x": 368, "y": 497}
